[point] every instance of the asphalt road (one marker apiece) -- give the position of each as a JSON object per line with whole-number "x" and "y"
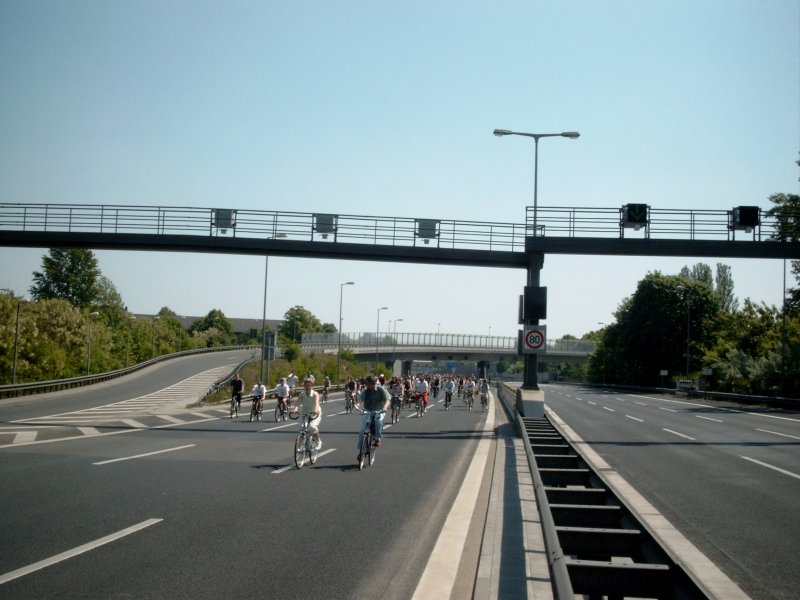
{"x": 205, "y": 507}
{"x": 726, "y": 475}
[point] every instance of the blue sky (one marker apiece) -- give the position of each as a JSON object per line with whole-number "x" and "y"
{"x": 386, "y": 108}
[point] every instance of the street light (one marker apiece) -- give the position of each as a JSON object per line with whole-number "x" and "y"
{"x": 394, "y": 340}
{"x": 573, "y": 135}
{"x": 16, "y": 341}
{"x": 339, "y": 351}
{"x": 131, "y": 319}
{"x": 378, "y": 334}
{"x": 89, "y": 342}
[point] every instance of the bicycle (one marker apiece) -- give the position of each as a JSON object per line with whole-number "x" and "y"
{"x": 468, "y": 398}
{"x": 420, "y": 405}
{"x": 448, "y": 398}
{"x": 484, "y": 401}
{"x": 368, "y": 448}
{"x": 282, "y": 409}
{"x": 255, "y": 409}
{"x": 236, "y": 399}
{"x": 304, "y": 445}
{"x": 324, "y": 397}
{"x": 348, "y": 401}
{"x": 397, "y": 402}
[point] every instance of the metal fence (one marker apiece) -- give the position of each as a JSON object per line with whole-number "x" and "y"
{"x": 436, "y": 340}
{"x": 318, "y": 227}
{"x": 570, "y": 222}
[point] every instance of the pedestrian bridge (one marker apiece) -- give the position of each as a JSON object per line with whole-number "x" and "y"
{"x": 441, "y": 346}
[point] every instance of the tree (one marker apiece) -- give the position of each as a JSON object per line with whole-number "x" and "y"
{"x": 214, "y": 328}
{"x": 70, "y": 274}
{"x": 298, "y": 321}
{"x": 724, "y": 289}
{"x": 786, "y": 211}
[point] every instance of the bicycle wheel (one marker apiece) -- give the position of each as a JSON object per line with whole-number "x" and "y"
{"x": 300, "y": 451}
{"x": 233, "y": 408}
{"x": 312, "y": 449}
{"x": 252, "y": 411}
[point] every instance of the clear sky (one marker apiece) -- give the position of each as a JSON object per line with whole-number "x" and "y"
{"x": 387, "y": 108}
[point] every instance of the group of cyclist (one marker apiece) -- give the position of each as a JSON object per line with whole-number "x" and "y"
{"x": 376, "y": 394}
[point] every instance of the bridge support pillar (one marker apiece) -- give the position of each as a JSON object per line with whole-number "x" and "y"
{"x": 531, "y": 379}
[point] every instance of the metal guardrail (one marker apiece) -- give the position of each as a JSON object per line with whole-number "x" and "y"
{"x": 41, "y": 387}
{"x": 596, "y": 546}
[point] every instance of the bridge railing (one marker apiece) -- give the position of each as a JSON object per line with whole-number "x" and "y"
{"x": 154, "y": 220}
{"x": 435, "y": 340}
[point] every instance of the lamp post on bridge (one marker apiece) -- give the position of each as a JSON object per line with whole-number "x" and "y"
{"x": 573, "y": 135}
{"x": 339, "y": 346}
{"x": 536, "y": 260}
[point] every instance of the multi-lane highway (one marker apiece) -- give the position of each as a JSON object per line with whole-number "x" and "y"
{"x": 727, "y": 476}
{"x": 132, "y": 500}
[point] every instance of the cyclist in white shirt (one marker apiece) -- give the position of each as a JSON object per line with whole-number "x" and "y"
{"x": 291, "y": 382}
{"x": 258, "y": 393}
{"x": 421, "y": 387}
{"x": 282, "y": 392}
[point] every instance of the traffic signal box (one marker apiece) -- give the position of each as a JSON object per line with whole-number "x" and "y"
{"x": 634, "y": 216}
{"x": 745, "y": 218}
{"x": 533, "y": 304}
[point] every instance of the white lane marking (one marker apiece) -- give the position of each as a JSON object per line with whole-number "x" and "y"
{"x": 24, "y": 437}
{"x": 284, "y": 426}
{"x": 774, "y": 468}
{"x": 680, "y": 434}
{"x": 171, "y": 419}
{"x": 667, "y": 409}
{"x": 113, "y": 460}
{"x": 794, "y": 437}
{"x": 76, "y": 551}
{"x": 592, "y": 403}
{"x": 291, "y": 466}
{"x": 635, "y": 419}
{"x": 89, "y": 430}
{"x": 134, "y": 424}
{"x": 641, "y": 404}
{"x": 709, "y": 419}
{"x": 609, "y": 409}
{"x": 733, "y": 410}
{"x": 438, "y": 579}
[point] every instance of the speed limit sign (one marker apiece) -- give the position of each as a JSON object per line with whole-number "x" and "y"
{"x": 533, "y": 340}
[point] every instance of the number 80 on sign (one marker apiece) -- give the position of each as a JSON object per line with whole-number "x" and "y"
{"x": 533, "y": 340}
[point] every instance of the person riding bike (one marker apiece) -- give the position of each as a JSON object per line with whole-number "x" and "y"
{"x": 258, "y": 393}
{"x": 421, "y": 389}
{"x": 237, "y": 387}
{"x": 308, "y": 399}
{"x": 483, "y": 388}
{"x": 449, "y": 388}
{"x": 374, "y": 399}
{"x": 282, "y": 392}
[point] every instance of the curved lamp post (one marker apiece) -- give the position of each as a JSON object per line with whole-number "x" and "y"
{"x": 536, "y": 136}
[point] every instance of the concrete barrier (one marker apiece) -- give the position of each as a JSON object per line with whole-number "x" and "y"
{"x": 530, "y": 403}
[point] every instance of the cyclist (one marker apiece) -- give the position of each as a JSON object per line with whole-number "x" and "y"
{"x": 373, "y": 398}
{"x": 282, "y": 392}
{"x": 483, "y": 388}
{"x": 350, "y": 389}
{"x": 449, "y": 388}
{"x": 291, "y": 381}
{"x": 326, "y": 388}
{"x": 469, "y": 389}
{"x": 421, "y": 389}
{"x": 309, "y": 400}
{"x": 237, "y": 387}
{"x": 258, "y": 393}
{"x": 435, "y": 385}
{"x": 310, "y": 376}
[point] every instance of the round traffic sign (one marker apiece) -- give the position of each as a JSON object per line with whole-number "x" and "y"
{"x": 534, "y": 339}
